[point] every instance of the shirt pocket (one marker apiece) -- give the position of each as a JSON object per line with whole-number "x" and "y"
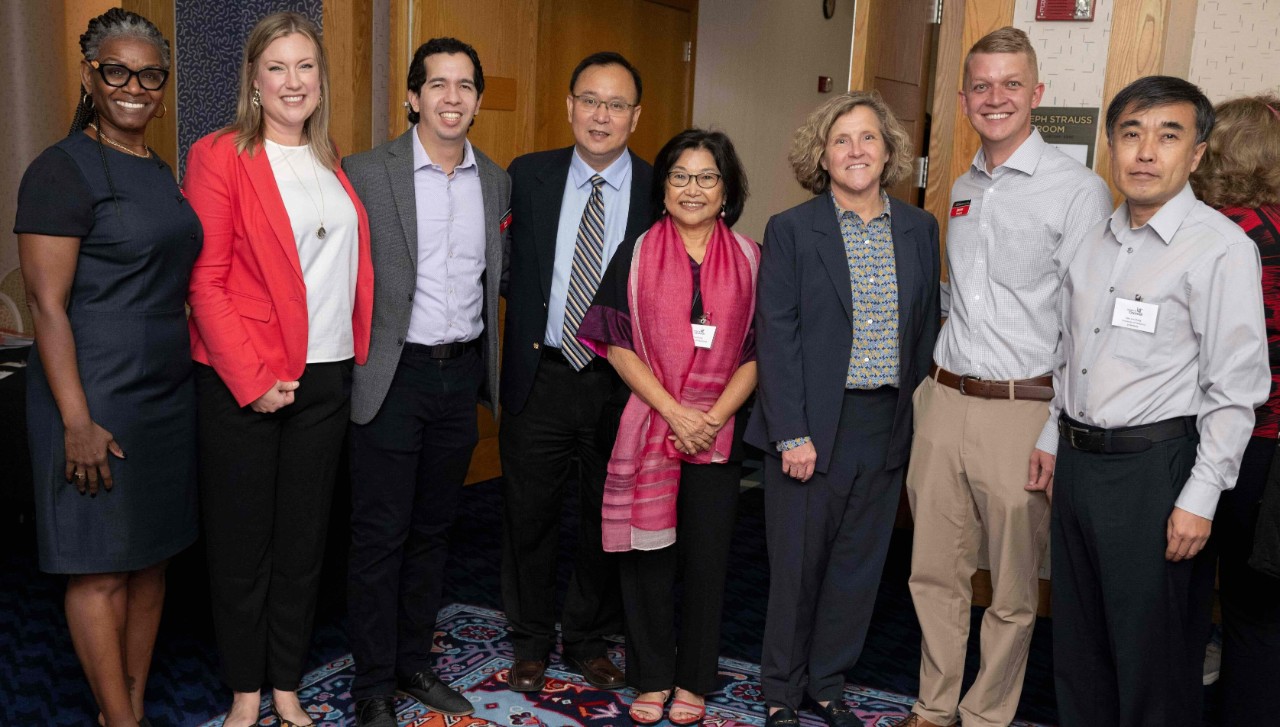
{"x": 1137, "y": 348}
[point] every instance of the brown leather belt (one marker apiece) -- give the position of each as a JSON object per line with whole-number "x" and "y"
{"x": 1038, "y": 389}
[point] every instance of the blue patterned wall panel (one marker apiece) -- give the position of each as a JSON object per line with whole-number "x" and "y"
{"x": 210, "y": 42}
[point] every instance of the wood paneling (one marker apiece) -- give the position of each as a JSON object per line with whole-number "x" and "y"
{"x": 651, "y": 35}
{"x": 162, "y": 133}
{"x": 348, "y": 37}
{"x": 952, "y": 141}
{"x": 861, "y": 45}
{"x": 1136, "y": 49}
{"x": 504, "y": 34}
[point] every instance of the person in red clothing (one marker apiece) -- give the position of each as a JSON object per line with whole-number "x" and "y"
{"x": 1240, "y": 176}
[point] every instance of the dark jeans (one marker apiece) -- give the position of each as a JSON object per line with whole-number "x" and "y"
{"x": 407, "y": 468}
{"x": 562, "y": 423}
{"x": 656, "y": 658}
{"x": 266, "y": 483}
{"x": 1129, "y": 627}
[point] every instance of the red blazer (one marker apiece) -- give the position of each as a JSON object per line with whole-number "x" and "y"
{"x": 247, "y": 295}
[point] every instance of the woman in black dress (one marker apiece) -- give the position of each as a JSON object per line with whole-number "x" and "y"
{"x": 107, "y": 244}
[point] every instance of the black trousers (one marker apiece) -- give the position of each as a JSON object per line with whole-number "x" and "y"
{"x": 1129, "y": 627}
{"x": 407, "y": 468}
{"x": 656, "y": 658}
{"x": 563, "y": 423}
{"x": 827, "y": 541}
{"x": 266, "y": 484}
{"x": 1250, "y": 600}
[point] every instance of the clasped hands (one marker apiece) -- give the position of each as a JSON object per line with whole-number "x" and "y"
{"x": 692, "y": 431}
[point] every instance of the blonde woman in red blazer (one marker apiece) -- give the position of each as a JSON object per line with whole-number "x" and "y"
{"x": 281, "y": 306}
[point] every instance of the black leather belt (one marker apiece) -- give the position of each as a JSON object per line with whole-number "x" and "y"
{"x": 1123, "y": 439}
{"x": 555, "y": 355}
{"x": 441, "y": 350}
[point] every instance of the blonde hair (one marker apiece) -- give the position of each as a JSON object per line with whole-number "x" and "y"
{"x": 248, "y": 124}
{"x": 1241, "y": 166}
{"x": 1004, "y": 40}
{"x": 810, "y": 141}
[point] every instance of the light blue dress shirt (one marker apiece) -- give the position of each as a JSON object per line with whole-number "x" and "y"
{"x": 577, "y": 190}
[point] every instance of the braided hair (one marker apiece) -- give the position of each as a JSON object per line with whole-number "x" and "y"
{"x": 115, "y": 23}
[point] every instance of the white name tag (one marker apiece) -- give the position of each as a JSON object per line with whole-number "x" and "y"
{"x": 703, "y": 335}
{"x": 1135, "y": 315}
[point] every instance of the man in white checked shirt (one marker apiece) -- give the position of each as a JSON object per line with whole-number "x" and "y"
{"x": 1015, "y": 219}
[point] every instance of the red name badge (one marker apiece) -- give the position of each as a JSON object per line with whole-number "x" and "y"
{"x": 505, "y": 222}
{"x": 961, "y": 208}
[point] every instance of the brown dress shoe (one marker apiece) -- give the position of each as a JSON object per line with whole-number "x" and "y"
{"x": 600, "y": 672}
{"x": 527, "y": 675}
{"x": 913, "y": 720}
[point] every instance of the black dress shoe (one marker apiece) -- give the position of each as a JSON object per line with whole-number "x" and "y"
{"x": 376, "y": 712}
{"x": 784, "y": 717}
{"x": 435, "y": 695}
{"x": 599, "y": 672}
{"x": 527, "y": 675}
{"x": 837, "y": 714}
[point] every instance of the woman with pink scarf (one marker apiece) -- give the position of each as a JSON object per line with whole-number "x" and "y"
{"x": 673, "y": 315}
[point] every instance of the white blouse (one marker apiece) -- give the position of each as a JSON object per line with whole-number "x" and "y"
{"x": 316, "y": 201}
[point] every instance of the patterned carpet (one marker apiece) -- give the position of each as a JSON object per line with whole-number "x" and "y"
{"x": 475, "y": 656}
{"x": 41, "y": 682}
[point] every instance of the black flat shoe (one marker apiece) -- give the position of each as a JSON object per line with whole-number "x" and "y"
{"x": 435, "y": 695}
{"x": 837, "y": 714}
{"x": 284, "y": 722}
{"x": 784, "y": 717}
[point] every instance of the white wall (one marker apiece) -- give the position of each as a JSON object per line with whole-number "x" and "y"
{"x": 1072, "y": 55}
{"x": 757, "y": 78}
{"x": 1236, "y": 51}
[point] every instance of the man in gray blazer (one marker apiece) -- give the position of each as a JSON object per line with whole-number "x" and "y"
{"x": 436, "y": 208}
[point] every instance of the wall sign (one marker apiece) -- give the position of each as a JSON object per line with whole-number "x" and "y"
{"x": 1076, "y": 10}
{"x": 1073, "y": 130}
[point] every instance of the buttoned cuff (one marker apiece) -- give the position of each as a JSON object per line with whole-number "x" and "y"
{"x": 1048, "y": 441}
{"x": 1199, "y": 498}
{"x": 789, "y": 444}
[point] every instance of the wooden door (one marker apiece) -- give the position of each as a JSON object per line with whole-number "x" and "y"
{"x": 657, "y": 36}
{"x": 900, "y": 42}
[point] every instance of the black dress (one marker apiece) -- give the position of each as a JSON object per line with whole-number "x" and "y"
{"x": 129, "y": 322}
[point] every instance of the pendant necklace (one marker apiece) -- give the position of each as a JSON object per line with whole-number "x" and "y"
{"x": 320, "y": 231}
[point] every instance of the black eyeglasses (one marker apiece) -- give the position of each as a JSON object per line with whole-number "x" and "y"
{"x": 117, "y": 76}
{"x": 706, "y": 180}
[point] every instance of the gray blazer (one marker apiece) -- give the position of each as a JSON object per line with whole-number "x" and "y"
{"x": 383, "y": 179}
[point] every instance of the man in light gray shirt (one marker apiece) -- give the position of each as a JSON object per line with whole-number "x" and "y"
{"x": 1015, "y": 217}
{"x": 1165, "y": 359}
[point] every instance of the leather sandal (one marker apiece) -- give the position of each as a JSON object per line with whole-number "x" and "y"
{"x": 655, "y": 706}
{"x": 699, "y": 712}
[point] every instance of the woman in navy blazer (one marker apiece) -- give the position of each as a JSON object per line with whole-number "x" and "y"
{"x": 281, "y": 306}
{"x": 846, "y": 319}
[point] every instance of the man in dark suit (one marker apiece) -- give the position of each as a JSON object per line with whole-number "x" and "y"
{"x": 570, "y": 210}
{"x": 436, "y": 206}
{"x": 846, "y": 319}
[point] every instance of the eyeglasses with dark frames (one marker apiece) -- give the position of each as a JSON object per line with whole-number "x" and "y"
{"x": 117, "y": 76}
{"x": 706, "y": 180}
{"x": 616, "y": 107}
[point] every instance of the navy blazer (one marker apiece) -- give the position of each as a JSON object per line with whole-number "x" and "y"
{"x": 537, "y": 188}
{"x": 804, "y": 324}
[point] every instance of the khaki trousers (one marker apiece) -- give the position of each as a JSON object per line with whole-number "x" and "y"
{"x": 969, "y": 462}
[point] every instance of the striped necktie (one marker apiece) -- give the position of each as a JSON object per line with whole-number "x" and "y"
{"x": 584, "y": 278}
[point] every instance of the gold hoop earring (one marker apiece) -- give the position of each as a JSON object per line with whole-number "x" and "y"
{"x": 164, "y": 111}
{"x": 256, "y": 100}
